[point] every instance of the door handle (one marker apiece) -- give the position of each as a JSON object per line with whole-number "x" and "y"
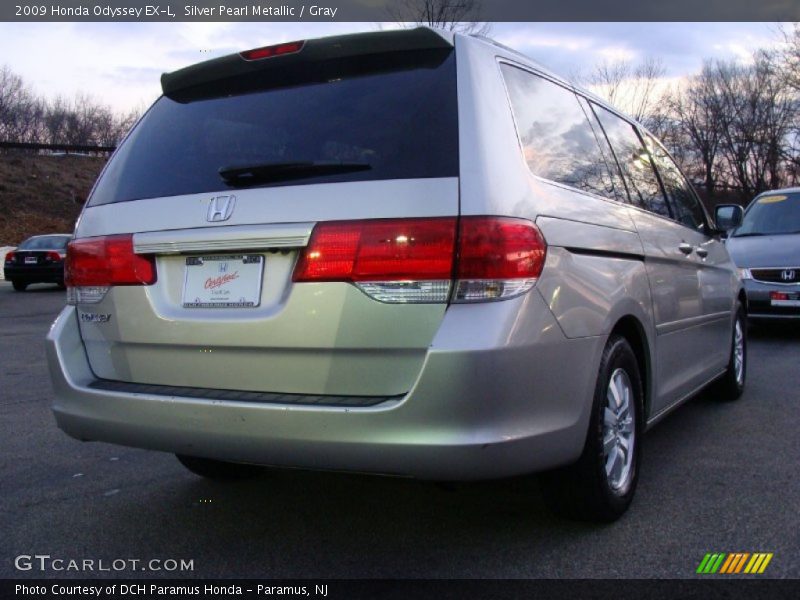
{"x": 686, "y": 248}
{"x": 701, "y": 252}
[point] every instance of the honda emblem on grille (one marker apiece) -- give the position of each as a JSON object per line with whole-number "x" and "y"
{"x": 788, "y": 274}
{"x": 220, "y": 208}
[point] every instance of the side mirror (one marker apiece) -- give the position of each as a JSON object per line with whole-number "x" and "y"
{"x": 728, "y": 216}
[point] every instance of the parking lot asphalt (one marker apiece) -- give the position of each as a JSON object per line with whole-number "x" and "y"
{"x": 717, "y": 477}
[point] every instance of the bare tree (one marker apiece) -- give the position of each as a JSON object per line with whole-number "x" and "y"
{"x": 788, "y": 58}
{"x": 55, "y": 120}
{"x": 756, "y": 112}
{"x": 82, "y": 120}
{"x": 20, "y": 109}
{"x": 631, "y": 88}
{"x": 123, "y": 122}
{"x": 462, "y": 16}
{"x": 697, "y": 110}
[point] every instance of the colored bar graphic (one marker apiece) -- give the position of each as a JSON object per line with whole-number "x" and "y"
{"x": 755, "y": 563}
{"x": 703, "y": 563}
{"x": 716, "y": 565}
{"x": 711, "y": 563}
{"x": 729, "y": 564}
{"x": 741, "y": 562}
{"x": 726, "y": 566}
{"x": 749, "y": 567}
{"x": 764, "y": 564}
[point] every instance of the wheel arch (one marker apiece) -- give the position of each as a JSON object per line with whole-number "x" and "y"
{"x": 633, "y": 331}
{"x": 742, "y": 297}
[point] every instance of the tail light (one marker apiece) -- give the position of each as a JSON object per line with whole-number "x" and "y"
{"x": 52, "y": 257}
{"x": 95, "y": 264}
{"x": 10, "y": 257}
{"x": 392, "y": 260}
{"x": 423, "y": 260}
{"x": 498, "y": 258}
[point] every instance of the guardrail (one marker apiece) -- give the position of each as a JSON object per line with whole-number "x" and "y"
{"x": 54, "y": 148}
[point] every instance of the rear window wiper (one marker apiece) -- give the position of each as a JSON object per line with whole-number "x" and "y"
{"x": 245, "y": 175}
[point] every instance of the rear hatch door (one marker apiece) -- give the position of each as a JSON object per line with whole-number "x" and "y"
{"x": 222, "y": 183}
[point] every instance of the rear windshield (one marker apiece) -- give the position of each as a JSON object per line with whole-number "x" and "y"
{"x": 46, "y": 242}
{"x": 395, "y": 122}
{"x": 772, "y": 214}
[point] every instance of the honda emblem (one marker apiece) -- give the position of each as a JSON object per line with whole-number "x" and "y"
{"x": 220, "y": 208}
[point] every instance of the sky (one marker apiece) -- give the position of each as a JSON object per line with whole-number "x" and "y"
{"x": 120, "y": 63}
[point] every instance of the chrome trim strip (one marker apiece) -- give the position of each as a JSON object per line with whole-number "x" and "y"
{"x": 232, "y": 237}
{"x": 770, "y": 268}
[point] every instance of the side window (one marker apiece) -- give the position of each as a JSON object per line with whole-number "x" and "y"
{"x": 685, "y": 205}
{"x": 634, "y": 161}
{"x": 557, "y": 140}
{"x": 616, "y": 185}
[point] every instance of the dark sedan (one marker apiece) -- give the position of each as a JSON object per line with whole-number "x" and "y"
{"x": 766, "y": 248}
{"x": 39, "y": 259}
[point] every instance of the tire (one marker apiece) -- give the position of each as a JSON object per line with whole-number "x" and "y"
{"x": 217, "y": 469}
{"x": 600, "y": 486}
{"x": 19, "y": 286}
{"x": 730, "y": 386}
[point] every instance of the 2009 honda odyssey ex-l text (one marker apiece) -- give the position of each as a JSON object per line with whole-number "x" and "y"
{"x": 405, "y": 252}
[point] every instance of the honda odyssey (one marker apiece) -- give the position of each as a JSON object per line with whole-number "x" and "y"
{"x": 410, "y": 253}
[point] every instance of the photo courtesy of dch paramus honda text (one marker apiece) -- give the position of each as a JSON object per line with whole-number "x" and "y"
{"x": 409, "y": 253}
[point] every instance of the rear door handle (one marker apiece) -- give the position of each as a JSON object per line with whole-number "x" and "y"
{"x": 701, "y": 252}
{"x": 686, "y": 248}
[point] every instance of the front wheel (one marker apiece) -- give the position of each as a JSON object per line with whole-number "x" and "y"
{"x": 217, "y": 469}
{"x": 731, "y": 385}
{"x": 601, "y": 485}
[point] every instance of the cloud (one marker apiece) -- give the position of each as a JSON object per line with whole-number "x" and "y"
{"x": 571, "y": 47}
{"x": 120, "y": 63}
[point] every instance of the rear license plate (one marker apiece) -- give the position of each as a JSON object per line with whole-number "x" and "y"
{"x": 785, "y": 299}
{"x": 223, "y": 281}
{"x": 30, "y": 260}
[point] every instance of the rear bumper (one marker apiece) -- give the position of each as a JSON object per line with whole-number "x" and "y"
{"x": 513, "y": 399}
{"x": 759, "y": 305}
{"x": 35, "y": 274}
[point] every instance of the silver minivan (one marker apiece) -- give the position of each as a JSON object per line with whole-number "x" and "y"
{"x": 405, "y": 252}
{"x": 764, "y": 242}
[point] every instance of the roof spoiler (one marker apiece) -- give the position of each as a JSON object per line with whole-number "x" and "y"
{"x": 342, "y": 46}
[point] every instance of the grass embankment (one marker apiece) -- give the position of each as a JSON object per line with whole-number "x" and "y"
{"x": 43, "y": 194}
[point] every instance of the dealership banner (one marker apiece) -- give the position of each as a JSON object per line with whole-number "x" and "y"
{"x": 398, "y": 11}
{"x": 402, "y": 589}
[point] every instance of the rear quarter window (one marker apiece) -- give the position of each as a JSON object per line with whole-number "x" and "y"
{"x": 557, "y": 140}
